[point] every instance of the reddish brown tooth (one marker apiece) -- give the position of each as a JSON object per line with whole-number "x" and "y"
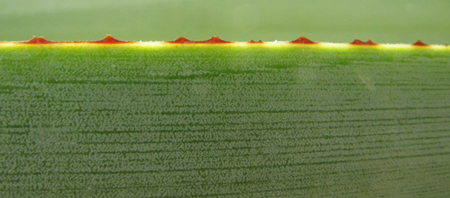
{"x": 359, "y": 42}
{"x": 303, "y": 40}
{"x": 109, "y": 40}
{"x": 181, "y": 40}
{"x": 214, "y": 40}
{"x": 369, "y": 42}
{"x": 419, "y": 43}
{"x": 252, "y": 41}
{"x": 38, "y": 40}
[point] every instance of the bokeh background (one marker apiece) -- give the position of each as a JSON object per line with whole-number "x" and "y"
{"x": 385, "y": 21}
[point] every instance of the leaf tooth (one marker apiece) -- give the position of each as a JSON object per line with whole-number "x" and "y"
{"x": 420, "y": 43}
{"x": 38, "y": 40}
{"x": 109, "y": 40}
{"x": 303, "y": 40}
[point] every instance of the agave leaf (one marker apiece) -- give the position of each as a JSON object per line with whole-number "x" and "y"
{"x": 259, "y": 120}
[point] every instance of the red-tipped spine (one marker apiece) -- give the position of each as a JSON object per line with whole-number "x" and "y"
{"x": 109, "y": 40}
{"x": 38, "y": 40}
{"x": 369, "y": 42}
{"x": 214, "y": 40}
{"x": 255, "y": 42}
{"x": 303, "y": 40}
{"x": 359, "y": 42}
{"x": 420, "y": 44}
{"x": 181, "y": 40}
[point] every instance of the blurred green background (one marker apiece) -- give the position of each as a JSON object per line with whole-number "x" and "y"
{"x": 385, "y": 21}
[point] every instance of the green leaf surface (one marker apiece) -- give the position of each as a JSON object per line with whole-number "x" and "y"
{"x": 224, "y": 121}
